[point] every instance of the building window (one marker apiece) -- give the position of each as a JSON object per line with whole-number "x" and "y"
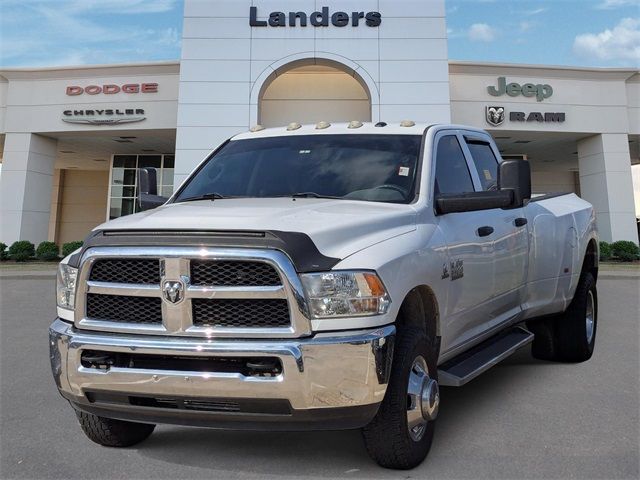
{"x": 124, "y": 181}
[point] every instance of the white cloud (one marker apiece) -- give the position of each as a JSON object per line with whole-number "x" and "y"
{"x": 481, "y": 32}
{"x": 123, "y": 7}
{"x": 78, "y": 32}
{"x": 168, "y": 37}
{"x": 536, "y": 11}
{"x": 610, "y": 4}
{"x": 622, "y": 43}
{"x": 525, "y": 26}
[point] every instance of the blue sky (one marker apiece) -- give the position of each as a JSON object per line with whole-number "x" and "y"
{"x": 562, "y": 32}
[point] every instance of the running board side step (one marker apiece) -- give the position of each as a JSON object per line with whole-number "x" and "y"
{"x": 468, "y": 365}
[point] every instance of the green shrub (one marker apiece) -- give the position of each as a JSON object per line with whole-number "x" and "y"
{"x": 69, "y": 248}
{"x": 47, "y": 251}
{"x": 605, "y": 251}
{"x": 3, "y": 251}
{"x": 22, "y": 250}
{"x": 625, "y": 251}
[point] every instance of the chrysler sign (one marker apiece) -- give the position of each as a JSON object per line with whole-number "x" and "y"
{"x": 104, "y": 116}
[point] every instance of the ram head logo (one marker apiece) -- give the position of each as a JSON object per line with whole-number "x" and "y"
{"x": 173, "y": 292}
{"x": 495, "y": 116}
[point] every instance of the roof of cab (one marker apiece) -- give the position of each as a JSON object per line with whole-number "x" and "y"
{"x": 337, "y": 128}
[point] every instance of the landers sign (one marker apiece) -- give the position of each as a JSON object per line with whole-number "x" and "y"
{"x": 321, "y": 18}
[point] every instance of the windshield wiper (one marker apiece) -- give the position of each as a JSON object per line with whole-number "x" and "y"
{"x": 206, "y": 196}
{"x": 311, "y": 195}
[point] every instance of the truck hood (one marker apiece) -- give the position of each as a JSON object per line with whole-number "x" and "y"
{"x": 338, "y": 228}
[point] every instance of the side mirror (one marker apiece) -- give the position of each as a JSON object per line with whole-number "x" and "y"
{"x": 515, "y": 176}
{"x": 472, "y": 202}
{"x": 148, "y": 197}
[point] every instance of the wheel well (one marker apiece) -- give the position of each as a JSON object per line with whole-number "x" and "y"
{"x": 590, "y": 263}
{"x": 420, "y": 309}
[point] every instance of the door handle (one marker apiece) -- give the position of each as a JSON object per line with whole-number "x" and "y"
{"x": 485, "y": 231}
{"x": 520, "y": 222}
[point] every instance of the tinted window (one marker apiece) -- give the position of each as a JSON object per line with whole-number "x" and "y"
{"x": 452, "y": 172}
{"x": 486, "y": 164}
{"x": 378, "y": 168}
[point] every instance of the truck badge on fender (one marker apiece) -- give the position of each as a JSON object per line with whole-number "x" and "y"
{"x": 457, "y": 269}
{"x": 445, "y": 271}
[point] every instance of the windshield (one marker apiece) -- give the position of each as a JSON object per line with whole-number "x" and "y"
{"x": 376, "y": 168}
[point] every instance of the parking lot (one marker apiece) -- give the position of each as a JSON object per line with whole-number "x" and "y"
{"x": 522, "y": 419}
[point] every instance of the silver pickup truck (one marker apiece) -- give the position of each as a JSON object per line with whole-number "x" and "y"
{"x": 322, "y": 277}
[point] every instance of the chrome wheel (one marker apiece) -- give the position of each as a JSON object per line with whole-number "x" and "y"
{"x": 423, "y": 399}
{"x": 590, "y": 317}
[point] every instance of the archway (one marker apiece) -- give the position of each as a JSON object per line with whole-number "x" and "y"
{"x": 308, "y": 91}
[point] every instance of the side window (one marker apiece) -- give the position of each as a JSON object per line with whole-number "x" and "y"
{"x": 486, "y": 164}
{"x": 452, "y": 172}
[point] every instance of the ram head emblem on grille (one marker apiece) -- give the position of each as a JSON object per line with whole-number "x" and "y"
{"x": 173, "y": 292}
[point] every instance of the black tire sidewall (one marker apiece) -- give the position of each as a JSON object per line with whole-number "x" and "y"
{"x": 387, "y": 437}
{"x": 572, "y": 342}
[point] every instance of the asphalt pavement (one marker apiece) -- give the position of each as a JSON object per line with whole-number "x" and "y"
{"x": 522, "y": 419}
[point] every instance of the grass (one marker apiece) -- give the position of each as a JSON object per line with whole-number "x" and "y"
{"x": 51, "y": 266}
{"x": 27, "y": 266}
{"x": 621, "y": 266}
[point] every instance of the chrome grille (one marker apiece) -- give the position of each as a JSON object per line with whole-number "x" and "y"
{"x": 241, "y": 313}
{"x": 118, "y": 308}
{"x": 233, "y": 274}
{"x": 126, "y": 270}
{"x": 191, "y": 291}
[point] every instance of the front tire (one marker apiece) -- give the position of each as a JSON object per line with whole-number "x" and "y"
{"x": 399, "y": 437}
{"x": 110, "y": 432}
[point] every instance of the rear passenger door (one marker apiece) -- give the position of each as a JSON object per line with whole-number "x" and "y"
{"x": 509, "y": 237}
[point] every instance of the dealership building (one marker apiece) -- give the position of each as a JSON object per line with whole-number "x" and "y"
{"x": 72, "y": 138}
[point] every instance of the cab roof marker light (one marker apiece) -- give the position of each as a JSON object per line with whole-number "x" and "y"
{"x": 257, "y": 128}
{"x": 355, "y": 124}
{"x": 293, "y": 126}
{"x": 381, "y": 124}
{"x": 322, "y": 125}
{"x": 407, "y": 123}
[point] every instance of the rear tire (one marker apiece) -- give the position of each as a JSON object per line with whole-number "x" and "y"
{"x": 110, "y": 432}
{"x": 388, "y": 438}
{"x": 576, "y": 329}
{"x": 571, "y": 336}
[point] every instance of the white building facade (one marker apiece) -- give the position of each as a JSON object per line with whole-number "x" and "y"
{"x": 74, "y": 137}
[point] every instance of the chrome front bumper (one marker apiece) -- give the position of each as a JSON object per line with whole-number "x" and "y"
{"x": 330, "y": 380}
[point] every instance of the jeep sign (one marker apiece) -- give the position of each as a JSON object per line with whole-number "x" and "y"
{"x": 514, "y": 89}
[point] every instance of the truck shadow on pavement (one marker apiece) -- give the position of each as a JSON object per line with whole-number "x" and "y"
{"x": 326, "y": 454}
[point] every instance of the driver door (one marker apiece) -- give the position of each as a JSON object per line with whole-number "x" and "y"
{"x": 469, "y": 270}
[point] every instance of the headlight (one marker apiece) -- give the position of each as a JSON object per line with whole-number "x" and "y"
{"x": 66, "y": 286}
{"x": 345, "y": 294}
